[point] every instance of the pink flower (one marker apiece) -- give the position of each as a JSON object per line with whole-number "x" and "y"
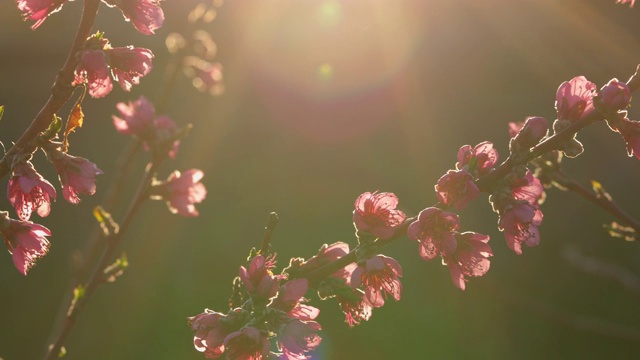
{"x": 297, "y": 338}
{"x": 77, "y": 175}
{"x": 376, "y": 213}
{"x": 28, "y": 191}
{"x": 249, "y": 343}
{"x": 94, "y": 70}
{"x": 181, "y": 191}
{"x": 470, "y": 257}
{"x": 379, "y": 277}
{"x": 39, "y": 10}
{"x": 355, "y": 307}
{"x": 520, "y": 222}
{"x": 100, "y": 61}
{"x": 129, "y": 64}
{"x": 527, "y": 188}
{"x": 435, "y": 230}
{"x": 145, "y": 15}
{"x": 529, "y": 134}
{"x": 290, "y": 298}
{"x": 456, "y": 188}
{"x": 630, "y": 2}
{"x": 259, "y": 280}
{"x": 26, "y": 241}
{"x": 136, "y": 118}
{"x": 479, "y": 160}
{"x": 574, "y": 98}
{"x": 630, "y": 131}
{"x": 209, "y": 333}
{"x": 616, "y": 94}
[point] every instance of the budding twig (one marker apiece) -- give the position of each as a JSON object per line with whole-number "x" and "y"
{"x": 268, "y": 231}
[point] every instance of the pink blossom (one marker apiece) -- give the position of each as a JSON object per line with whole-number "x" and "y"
{"x": 290, "y": 300}
{"x": 26, "y": 241}
{"x": 376, "y": 213}
{"x": 379, "y": 275}
{"x": 478, "y": 160}
{"x": 435, "y": 230}
{"x": 574, "y": 98}
{"x": 530, "y": 133}
{"x": 136, "y": 117}
{"x": 145, "y": 15}
{"x": 39, "y": 10}
{"x": 99, "y": 62}
{"x": 355, "y": 307}
{"x": 94, "y": 70}
{"x": 630, "y": 2}
{"x": 77, "y": 175}
{"x": 129, "y": 64}
{"x": 520, "y": 222}
{"x": 456, "y": 188}
{"x": 181, "y": 191}
{"x": 259, "y": 280}
{"x": 470, "y": 257}
{"x": 209, "y": 333}
{"x": 616, "y": 94}
{"x": 249, "y": 343}
{"x": 630, "y": 131}
{"x": 297, "y": 338}
{"x": 28, "y": 191}
{"x": 528, "y": 188}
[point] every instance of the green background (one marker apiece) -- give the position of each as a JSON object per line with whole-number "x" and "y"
{"x": 326, "y": 100}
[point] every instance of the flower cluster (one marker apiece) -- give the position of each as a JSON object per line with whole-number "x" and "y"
{"x": 271, "y": 313}
{"x": 145, "y": 15}
{"x": 98, "y": 62}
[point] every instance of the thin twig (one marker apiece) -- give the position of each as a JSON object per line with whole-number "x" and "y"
{"x": 97, "y": 278}
{"x": 268, "y": 232}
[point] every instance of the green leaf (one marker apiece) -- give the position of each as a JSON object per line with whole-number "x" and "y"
{"x": 1, "y": 112}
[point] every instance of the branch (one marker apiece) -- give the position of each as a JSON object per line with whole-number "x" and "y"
{"x": 60, "y": 92}
{"x": 97, "y": 278}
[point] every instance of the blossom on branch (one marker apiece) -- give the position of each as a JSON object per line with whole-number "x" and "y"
{"x": 376, "y": 213}
{"x": 355, "y": 307}
{"x": 616, "y": 94}
{"x": 28, "y": 191}
{"x": 574, "y": 98}
{"x": 157, "y": 133}
{"x": 145, "y": 15}
{"x": 527, "y": 134}
{"x": 630, "y": 2}
{"x": 26, "y": 241}
{"x": 98, "y": 62}
{"x": 456, "y": 188}
{"x": 39, "y": 10}
{"x": 379, "y": 276}
{"x": 290, "y": 300}
{"x": 470, "y": 257}
{"x": 296, "y": 338}
{"x": 209, "y": 333}
{"x": 249, "y": 343}
{"x": 77, "y": 175}
{"x": 181, "y": 191}
{"x": 259, "y": 280}
{"x": 479, "y": 160}
{"x": 435, "y": 230}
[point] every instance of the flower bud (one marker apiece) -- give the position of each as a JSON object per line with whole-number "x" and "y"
{"x": 534, "y": 130}
{"x": 616, "y": 94}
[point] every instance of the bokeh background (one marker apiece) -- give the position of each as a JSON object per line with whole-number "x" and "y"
{"x": 324, "y": 100}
